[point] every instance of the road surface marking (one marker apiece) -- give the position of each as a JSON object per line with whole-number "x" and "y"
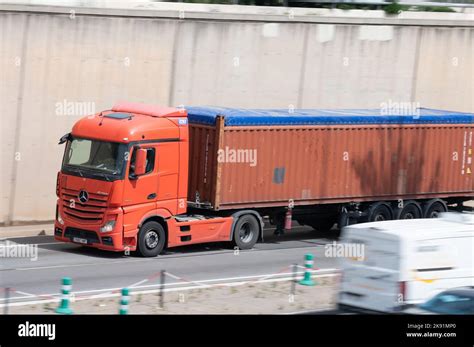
{"x": 151, "y": 291}
{"x": 229, "y": 279}
{"x": 126, "y": 259}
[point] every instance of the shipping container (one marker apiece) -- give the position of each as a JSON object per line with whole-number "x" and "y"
{"x": 272, "y": 158}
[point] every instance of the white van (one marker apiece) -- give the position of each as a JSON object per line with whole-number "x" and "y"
{"x": 406, "y": 261}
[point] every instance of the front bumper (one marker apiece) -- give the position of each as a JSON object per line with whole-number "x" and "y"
{"x": 87, "y": 237}
{"x": 89, "y": 234}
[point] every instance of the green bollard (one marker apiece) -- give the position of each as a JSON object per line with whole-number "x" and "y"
{"x": 124, "y": 301}
{"x": 308, "y": 263}
{"x": 65, "y": 292}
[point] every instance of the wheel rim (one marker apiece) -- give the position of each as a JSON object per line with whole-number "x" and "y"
{"x": 380, "y": 213}
{"x": 379, "y": 218}
{"x": 409, "y": 213}
{"x": 245, "y": 232}
{"x": 435, "y": 209}
{"x": 151, "y": 239}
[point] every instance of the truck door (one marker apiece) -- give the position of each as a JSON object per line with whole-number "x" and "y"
{"x": 144, "y": 188}
{"x": 139, "y": 192}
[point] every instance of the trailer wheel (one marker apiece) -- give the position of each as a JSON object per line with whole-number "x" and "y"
{"x": 380, "y": 212}
{"x": 411, "y": 210}
{"x": 246, "y": 231}
{"x": 433, "y": 208}
{"x": 151, "y": 239}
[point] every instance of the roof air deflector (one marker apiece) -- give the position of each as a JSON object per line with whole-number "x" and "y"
{"x": 118, "y": 115}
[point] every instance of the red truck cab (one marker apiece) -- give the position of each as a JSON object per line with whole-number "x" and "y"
{"x": 124, "y": 180}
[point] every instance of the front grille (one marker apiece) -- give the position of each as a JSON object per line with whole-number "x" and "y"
{"x": 91, "y": 211}
{"x": 90, "y": 236}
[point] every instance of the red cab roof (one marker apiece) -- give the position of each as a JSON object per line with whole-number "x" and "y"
{"x": 149, "y": 110}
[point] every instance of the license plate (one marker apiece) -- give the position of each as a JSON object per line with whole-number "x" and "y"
{"x": 79, "y": 240}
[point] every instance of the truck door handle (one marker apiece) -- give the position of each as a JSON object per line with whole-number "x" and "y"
{"x": 151, "y": 196}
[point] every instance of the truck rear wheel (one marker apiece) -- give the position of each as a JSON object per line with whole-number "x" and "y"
{"x": 411, "y": 210}
{"x": 433, "y": 208}
{"x": 151, "y": 239}
{"x": 246, "y": 231}
{"x": 380, "y": 212}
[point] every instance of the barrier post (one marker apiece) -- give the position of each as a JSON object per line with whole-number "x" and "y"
{"x": 7, "y": 300}
{"x": 65, "y": 292}
{"x": 293, "y": 282}
{"x": 124, "y": 301}
{"x": 162, "y": 289}
{"x": 308, "y": 263}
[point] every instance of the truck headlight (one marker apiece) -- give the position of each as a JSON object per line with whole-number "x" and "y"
{"x": 109, "y": 226}
{"x": 59, "y": 218}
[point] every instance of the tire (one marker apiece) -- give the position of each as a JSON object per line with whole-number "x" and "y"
{"x": 433, "y": 209}
{"x": 151, "y": 239}
{"x": 410, "y": 211}
{"x": 380, "y": 212}
{"x": 246, "y": 231}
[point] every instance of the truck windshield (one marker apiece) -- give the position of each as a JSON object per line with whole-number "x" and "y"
{"x": 93, "y": 155}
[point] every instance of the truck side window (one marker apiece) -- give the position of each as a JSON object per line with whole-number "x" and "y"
{"x": 150, "y": 160}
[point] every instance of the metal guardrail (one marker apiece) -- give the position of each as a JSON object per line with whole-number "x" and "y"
{"x": 382, "y": 2}
{"x": 441, "y": 3}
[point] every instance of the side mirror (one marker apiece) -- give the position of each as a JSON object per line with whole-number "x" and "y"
{"x": 140, "y": 162}
{"x": 64, "y": 138}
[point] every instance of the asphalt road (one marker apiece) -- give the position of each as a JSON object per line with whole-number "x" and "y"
{"x": 95, "y": 270}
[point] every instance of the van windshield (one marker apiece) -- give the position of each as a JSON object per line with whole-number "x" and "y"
{"x": 94, "y": 155}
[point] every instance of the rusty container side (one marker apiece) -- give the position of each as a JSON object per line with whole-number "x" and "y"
{"x": 324, "y": 164}
{"x": 201, "y": 147}
{"x": 202, "y": 176}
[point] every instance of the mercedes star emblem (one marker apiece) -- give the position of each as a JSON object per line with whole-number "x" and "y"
{"x": 83, "y": 196}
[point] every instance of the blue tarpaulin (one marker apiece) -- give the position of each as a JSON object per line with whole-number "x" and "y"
{"x": 249, "y": 117}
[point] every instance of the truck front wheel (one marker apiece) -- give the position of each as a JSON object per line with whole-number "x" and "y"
{"x": 246, "y": 231}
{"x": 151, "y": 239}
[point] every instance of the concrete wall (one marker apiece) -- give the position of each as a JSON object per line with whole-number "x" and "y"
{"x": 259, "y": 58}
